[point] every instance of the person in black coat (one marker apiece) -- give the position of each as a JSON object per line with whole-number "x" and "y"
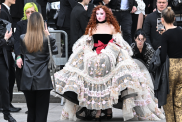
{"x": 63, "y": 20}
{"x": 141, "y": 49}
{"x": 122, "y": 11}
{"x": 152, "y": 36}
{"x": 16, "y": 12}
{"x": 43, "y": 4}
{"x": 147, "y": 7}
{"x": 79, "y": 20}
{"x": 36, "y": 80}
{"x": 5, "y": 40}
{"x": 5, "y": 14}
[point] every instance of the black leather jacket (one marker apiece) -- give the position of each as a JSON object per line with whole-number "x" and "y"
{"x": 36, "y": 75}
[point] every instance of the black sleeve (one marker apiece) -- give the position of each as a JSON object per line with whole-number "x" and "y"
{"x": 150, "y": 54}
{"x": 17, "y": 44}
{"x": 146, "y": 28}
{"x": 164, "y": 47}
{"x": 135, "y": 3}
{"x": 11, "y": 41}
{"x": 83, "y": 20}
{"x": 72, "y": 3}
{"x": 3, "y": 15}
{"x": 53, "y": 45}
{"x": 2, "y": 42}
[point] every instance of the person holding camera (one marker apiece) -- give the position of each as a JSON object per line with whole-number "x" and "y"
{"x": 150, "y": 25}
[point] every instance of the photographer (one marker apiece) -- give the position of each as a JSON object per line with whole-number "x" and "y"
{"x": 150, "y": 24}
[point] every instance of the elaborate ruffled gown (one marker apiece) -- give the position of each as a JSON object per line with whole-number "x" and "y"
{"x": 103, "y": 77}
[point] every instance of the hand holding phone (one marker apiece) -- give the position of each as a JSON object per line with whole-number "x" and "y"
{"x": 160, "y": 26}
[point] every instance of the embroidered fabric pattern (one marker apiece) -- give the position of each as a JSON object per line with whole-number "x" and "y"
{"x": 99, "y": 79}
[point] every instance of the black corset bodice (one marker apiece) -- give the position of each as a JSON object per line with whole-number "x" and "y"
{"x": 104, "y": 38}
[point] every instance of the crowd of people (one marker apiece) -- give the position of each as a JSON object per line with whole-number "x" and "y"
{"x": 112, "y": 45}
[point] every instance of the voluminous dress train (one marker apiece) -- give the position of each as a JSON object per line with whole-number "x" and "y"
{"x": 101, "y": 72}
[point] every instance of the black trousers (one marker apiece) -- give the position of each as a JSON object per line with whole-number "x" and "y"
{"x": 11, "y": 71}
{"x": 134, "y": 25}
{"x": 11, "y": 77}
{"x": 4, "y": 85}
{"x": 38, "y": 105}
{"x": 125, "y": 21}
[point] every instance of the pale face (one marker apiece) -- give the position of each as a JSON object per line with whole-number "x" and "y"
{"x": 161, "y": 5}
{"x": 29, "y": 11}
{"x": 100, "y": 15}
{"x": 140, "y": 41}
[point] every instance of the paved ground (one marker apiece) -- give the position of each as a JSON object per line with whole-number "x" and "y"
{"x": 54, "y": 114}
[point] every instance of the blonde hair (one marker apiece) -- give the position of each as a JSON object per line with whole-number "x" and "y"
{"x": 35, "y": 33}
{"x": 168, "y": 15}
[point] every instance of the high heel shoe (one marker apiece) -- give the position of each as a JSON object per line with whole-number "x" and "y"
{"x": 109, "y": 116}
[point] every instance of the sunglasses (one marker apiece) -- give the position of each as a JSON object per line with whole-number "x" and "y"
{"x": 27, "y": 12}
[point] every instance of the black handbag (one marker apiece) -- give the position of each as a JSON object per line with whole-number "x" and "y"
{"x": 155, "y": 61}
{"x": 51, "y": 65}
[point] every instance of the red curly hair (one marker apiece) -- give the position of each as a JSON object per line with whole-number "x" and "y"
{"x": 109, "y": 19}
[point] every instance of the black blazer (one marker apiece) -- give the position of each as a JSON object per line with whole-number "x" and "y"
{"x": 16, "y": 9}
{"x": 4, "y": 44}
{"x": 66, "y": 7}
{"x": 5, "y": 14}
{"x": 42, "y": 2}
{"x": 79, "y": 21}
{"x": 36, "y": 75}
{"x": 115, "y": 4}
{"x": 21, "y": 28}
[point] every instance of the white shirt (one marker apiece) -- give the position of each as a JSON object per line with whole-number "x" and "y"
{"x": 124, "y": 4}
{"x": 141, "y": 7}
{"x": 7, "y": 7}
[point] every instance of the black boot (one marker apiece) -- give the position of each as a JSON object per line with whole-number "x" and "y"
{"x": 9, "y": 118}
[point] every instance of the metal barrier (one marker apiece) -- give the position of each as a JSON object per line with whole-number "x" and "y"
{"x": 57, "y": 58}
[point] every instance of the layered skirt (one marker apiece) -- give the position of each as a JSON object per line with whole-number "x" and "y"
{"x": 101, "y": 81}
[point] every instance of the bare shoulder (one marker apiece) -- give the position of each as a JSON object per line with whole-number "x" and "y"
{"x": 113, "y": 29}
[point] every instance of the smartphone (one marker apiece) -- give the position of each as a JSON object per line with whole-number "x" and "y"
{"x": 8, "y": 27}
{"x": 160, "y": 26}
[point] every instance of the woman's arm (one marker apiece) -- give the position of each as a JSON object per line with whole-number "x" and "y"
{"x": 164, "y": 47}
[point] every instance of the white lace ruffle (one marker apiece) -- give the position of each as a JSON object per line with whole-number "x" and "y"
{"x": 100, "y": 79}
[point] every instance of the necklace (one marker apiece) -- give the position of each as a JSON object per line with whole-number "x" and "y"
{"x": 101, "y": 21}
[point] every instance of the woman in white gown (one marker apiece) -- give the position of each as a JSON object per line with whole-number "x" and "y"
{"x": 100, "y": 74}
